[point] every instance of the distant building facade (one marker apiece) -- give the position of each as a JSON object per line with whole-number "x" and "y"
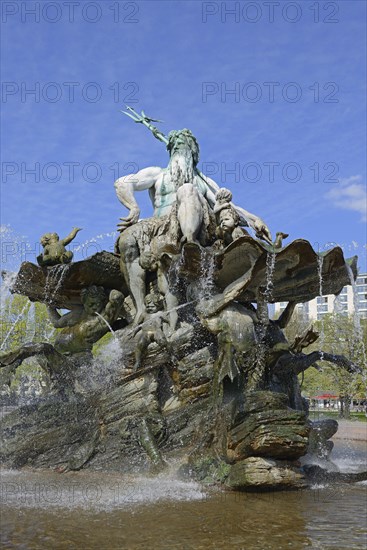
{"x": 348, "y": 301}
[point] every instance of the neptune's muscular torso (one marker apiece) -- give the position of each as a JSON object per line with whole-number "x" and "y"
{"x": 163, "y": 193}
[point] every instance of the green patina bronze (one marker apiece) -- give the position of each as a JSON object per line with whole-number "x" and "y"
{"x": 54, "y": 251}
{"x": 195, "y": 367}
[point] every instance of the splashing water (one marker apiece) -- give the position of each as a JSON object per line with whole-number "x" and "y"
{"x": 112, "y": 492}
{"x": 105, "y": 366}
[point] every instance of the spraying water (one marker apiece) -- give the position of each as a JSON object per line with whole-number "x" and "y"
{"x": 107, "y": 324}
{"x": 10, "y": 259}
{"x": 13, "y": 326}
{"x": 6, "y": 287}
{"x": 83, "y": 247}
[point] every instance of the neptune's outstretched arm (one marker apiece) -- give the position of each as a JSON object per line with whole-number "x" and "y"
{"x": 126, "y": 187}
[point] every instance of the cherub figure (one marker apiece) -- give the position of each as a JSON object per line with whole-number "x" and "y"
{"x": 151, "y": 329}
{"x": 54, "y": 251}
{"x": 223, "y": 198}
{"x": 161, "y": 264}
{"x": 228, "y": 219}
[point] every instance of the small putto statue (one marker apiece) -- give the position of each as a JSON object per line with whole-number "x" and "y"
{"x": 151, "y": 329}
{"x": 54, "y": 251}
{"x": 228, "y": 219}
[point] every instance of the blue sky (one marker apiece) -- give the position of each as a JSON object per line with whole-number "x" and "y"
{"x": 179, "y": 60}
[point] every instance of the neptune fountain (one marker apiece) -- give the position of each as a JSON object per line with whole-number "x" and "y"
{"x": 199, "y": 371}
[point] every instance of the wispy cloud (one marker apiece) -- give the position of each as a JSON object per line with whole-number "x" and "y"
{"x": 351, "y": 194}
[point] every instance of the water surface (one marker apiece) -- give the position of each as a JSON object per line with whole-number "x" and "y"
{"x": 92, "y": 510}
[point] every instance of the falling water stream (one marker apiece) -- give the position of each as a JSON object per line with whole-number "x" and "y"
{"x": 320, "y": 263}
{"x": 270, "y": 267}
{"x": 337, "y": 305}
{"x": 54, "y": 279}
{"x": 19, "y": 316}
{"x": 206, "y": 277}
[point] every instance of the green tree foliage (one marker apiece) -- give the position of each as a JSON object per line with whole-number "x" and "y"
{"x": 343, "y": 335}
{"x": 23, "y": 322}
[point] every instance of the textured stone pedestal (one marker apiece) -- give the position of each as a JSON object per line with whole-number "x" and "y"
{"x": 264, "y": 473}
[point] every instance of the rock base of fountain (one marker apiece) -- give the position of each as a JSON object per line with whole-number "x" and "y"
{"x": 104, "y": 432}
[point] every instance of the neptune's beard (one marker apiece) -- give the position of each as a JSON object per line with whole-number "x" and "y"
{"x": 181, "y": 167}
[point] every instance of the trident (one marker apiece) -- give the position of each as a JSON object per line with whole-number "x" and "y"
{"x": 144, "y": 119}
